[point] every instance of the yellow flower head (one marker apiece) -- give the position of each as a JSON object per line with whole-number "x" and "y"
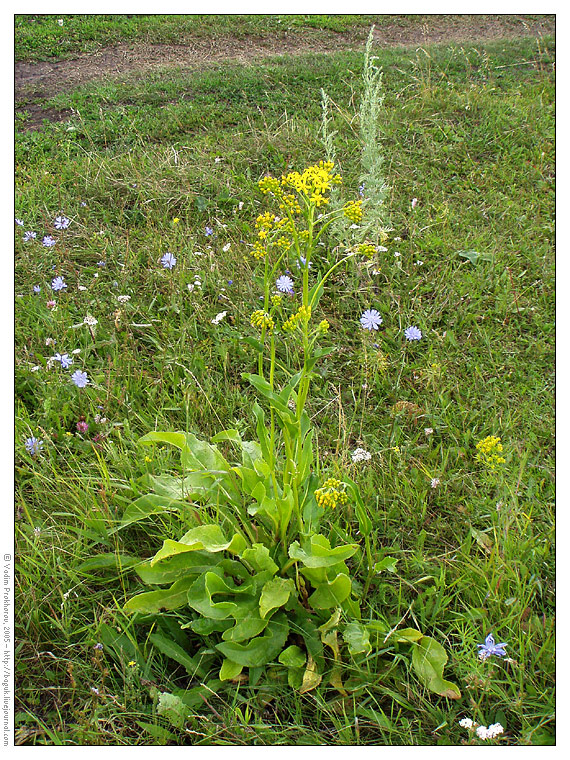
{"x": 261, "y": 319}
{"x": 489, "y": 451}
{"x": 302, "y": 314}
{"x": 366, "y": 249}
{"x": 331, "y": 493}
{"x": 353, "y": 211}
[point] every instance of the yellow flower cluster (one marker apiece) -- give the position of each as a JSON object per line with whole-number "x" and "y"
{"x": 489, "y": 452}
{"x": 313, "y": 183}
{"x": 302, "y": 314}
{"x": 261, "y": 319}
{"x": 331, "y": 493}
{"x": 258, "y": 251}
{"x": 366, "y": 249}
{"x": 353, "y": 211}
{"x": 324, "y": 327}
{"x": 264, "y": 223}
{"x": 276, "y": 300}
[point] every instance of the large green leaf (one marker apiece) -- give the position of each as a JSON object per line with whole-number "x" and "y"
{"x": 262, "y": 649}
{"x": 250, "y": 624}
{"x": 201, "y": 592}
{"x": 208, "y": 537}
{"x": 201, "y": 455}
{"x": 258, "y": 558}
{"x": 275, "y": 594}
{"x": 428, "y": 660}
{"x": 230, "y": 670}
{"x": 357, "y": 638}
{"x": 331, "y": 594}
{"x": 173, "y": 439}
{"x": 177, "y": 566}
{"x": 167, "y": 599}
{"x": 151, "y": 504}
{"x": 109, "y": 560}
{"x": 318, "y": 553}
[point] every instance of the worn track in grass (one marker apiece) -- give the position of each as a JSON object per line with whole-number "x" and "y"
{"x": 36, "y": 82}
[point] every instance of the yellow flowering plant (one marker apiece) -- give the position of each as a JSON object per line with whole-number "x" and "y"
{"x": 258, "y": 579}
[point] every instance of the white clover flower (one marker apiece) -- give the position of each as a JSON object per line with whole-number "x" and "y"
{"x": 123, "y": 299}
{"x": 482, "y": 732}
{"x": 494, "y": 730}
{"x": 435, "y": 482}
{"x": 90, "y": 321}
{"x": 428, "y": 431}
{"x": 381, "y": 248}
{"x": 361, "y": 455}
{"x": 466, "y": 723}
{"x": 227, "y": 247}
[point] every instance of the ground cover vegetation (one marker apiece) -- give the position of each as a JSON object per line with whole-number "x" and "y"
{"x": 285, "y": 478}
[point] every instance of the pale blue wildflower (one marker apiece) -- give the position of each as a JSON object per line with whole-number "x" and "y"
{"x": 209, "y": 231}
{"x": 413, "y": 333}
{"x": 48, "y": 241}
{"x": 34, "y": 446}
{"x": 37, "y": 289}
{"x": 28, "y": 236}
{"x": 64, "y": 359}
{"x": 80, "y": 378}
{"x": 490, "y": 648}
{"x": 284, "y": 284}
{"x": 61, "y": 223}
{"x": 58, "y": 283}
{"x": 168, "y": 260}
{"x": 19, "y": 222}
{"x": 371, "y": 319}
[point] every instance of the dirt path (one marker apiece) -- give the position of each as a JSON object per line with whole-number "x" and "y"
{"x": 35, "y": 82}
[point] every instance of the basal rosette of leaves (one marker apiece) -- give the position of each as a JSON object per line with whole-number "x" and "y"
{"x": 260, "y": 580}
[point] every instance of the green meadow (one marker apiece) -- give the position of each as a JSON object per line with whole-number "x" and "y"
{"x": 455, "y": 541}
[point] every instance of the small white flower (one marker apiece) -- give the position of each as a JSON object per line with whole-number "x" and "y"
{"x": 190, "y": 286}
{"x": 435, "y": 482}
{"x": 381, "y": 248}
{"x": 218, "y": 160}
{"x": 240, "y": 205}
{"x": 37, "y": 531}
{"x": 36, "y": 368}
{"x": 123, "y": 299}
{"x": 418, "y": 263}
{"x": 227, "y": 247}
{"x": 466, "y": 723}
{"x": 90, "y": 321}
{"x": 354, "y": 227}
{"x": 361, "y": 455}
{"x": 494, "y": 730}
{"x": 50, "y": 342}
{"x": 397, "y": 253}
{"x": 198, "y": 253}
{"x": 76, "y": 351}
{"x": 414, "y": 202}
{"x": 218, "y": 318}
{"x": 428, "y": 431}
{"x": 81, "y": 287}
{"x": 397, "y": 239}
{"x": 60, "y": 21}
{"x": 482, "y": 732}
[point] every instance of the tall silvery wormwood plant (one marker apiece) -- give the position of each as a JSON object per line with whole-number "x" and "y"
{"x": 259, "y": 579}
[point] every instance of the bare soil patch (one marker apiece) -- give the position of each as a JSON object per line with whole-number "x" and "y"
{"x": 35, "y": 82}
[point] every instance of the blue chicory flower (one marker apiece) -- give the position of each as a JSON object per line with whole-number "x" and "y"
{"x": 61, "y": 223}
{"x": 284, "y": 284}
{"x": 371, "y": 319}
{"x": 80, "y": 378}
{"x": 48, "y": 241}
{"x": 58, "y": 283}
{"x": 168, "y": 260}
{"x": 37, "y": 289}
{"x": 28, "y": 236}
{"x": 413, "y": 333}
{"x": 209, "y": 231}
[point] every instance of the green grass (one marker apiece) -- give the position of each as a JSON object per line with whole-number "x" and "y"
{"x": 467, "y": 131}
{"x": 40, "y": 37}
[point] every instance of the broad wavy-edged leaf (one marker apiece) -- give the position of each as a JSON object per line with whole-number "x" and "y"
{"x": 262, "y": 649}
{"x": 201, "y": 455}
{"x": 177, "y": 566}
{"x": 274, "y": 594}
{"x": 318, "y": 552}
{"x": 173, "y": 439}
{"x": 230, "y": 670}
{"x": 258, "y": 558}
{"x": 250, "y": 625}
{"x": 331, "y": 594}
{"x": 208, "y": 537}
{"x": 200, "y": 597}
{"x": 293, "y": 657}
{"x": 428, "y": 660}
{"x": 357, "y": 638}
{"x": 200, "y": 486}
{"x": 167, "y": 599}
